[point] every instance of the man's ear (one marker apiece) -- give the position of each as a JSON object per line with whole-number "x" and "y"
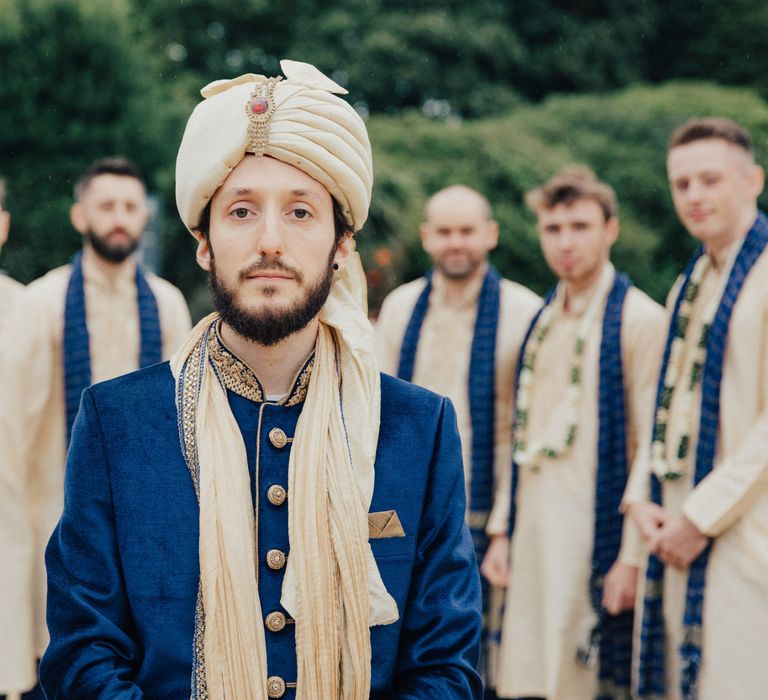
{"x": 344, "y": 250}
{"x": 757, "y": 180}
{"x": 493, "y": 234}
{"x": 612, "y": 229}
{"x": 78, "y": 218}
{"x": 204, "y": 254}
{"x": 5, "y": 225}
{"x": 424, "y": 236}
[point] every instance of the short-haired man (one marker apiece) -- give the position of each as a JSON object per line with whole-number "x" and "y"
{"x": 219, "y": 509}
{"x": 582, "y": 406}
{"x": 98, "y": 318}
{"x": 704, "y": 509}
{"x": 17, "y": 667}
{"x": 458, "y": 331}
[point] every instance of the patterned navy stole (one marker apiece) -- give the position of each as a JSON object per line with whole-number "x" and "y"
{"x": 482, "y": 391}
{"x": 612, "y": 637}
{"x": 651, "y": 679}
{"x": 614, "y": 632}
{"x": 76, "y": 346}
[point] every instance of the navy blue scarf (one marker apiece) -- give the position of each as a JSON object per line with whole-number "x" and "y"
{"x": 652, "y": 644}
{"x": 612, "y": 637}
{"x": 482, "y": 373}
{"x": 76, "y": 348}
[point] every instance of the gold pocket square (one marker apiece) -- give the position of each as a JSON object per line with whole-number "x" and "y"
{"x": 384, "y": 524}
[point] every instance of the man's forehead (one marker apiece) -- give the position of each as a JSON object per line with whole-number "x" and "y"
{"x": 262, "y": 176}
{"x": 710, "y": 154}
{"x": 459, "y": 206}
{"x": 109, "y": 185}
{"x": 580, "y": 206}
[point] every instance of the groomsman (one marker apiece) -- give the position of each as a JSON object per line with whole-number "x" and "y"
{"x": 701, "y": 500}
{"x": 583, "y": 405}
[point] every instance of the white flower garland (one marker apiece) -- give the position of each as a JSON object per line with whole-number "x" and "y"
{"x": 530, "y": 455}
{"x": 672, "y": 466}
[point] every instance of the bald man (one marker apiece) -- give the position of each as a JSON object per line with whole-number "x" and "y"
{"x": 458, "y": 331}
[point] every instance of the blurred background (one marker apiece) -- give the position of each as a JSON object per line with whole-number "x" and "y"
{"x": 496, "y": 94}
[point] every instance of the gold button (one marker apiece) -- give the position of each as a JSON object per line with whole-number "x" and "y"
{"x": 275, "y": 621}
{"x": 276, "y": 495}
{"x": 278, "y": 438}
{"x": 275, "y": 559}
{"x": 275, "y": 687}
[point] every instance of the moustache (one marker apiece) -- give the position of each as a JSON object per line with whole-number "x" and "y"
{"x": 266, "y": 264}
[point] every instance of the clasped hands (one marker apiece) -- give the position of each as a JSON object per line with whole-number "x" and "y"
{"x": 674, "y": 539}
{"x": 620, "y": 582}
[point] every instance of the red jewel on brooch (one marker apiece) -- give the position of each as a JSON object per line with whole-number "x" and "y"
{"x": 259, "y": 106}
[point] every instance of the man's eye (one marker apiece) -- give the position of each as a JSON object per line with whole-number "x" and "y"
{"x": 300, "y": 213}
{"x": 240, "y": 212}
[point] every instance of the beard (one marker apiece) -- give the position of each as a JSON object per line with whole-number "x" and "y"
{"x": 114, "y": 253}
{"x": 468, "y": 268}
{"x": 269, "y": 326}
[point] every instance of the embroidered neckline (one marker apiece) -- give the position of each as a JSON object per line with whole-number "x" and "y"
{"x": 240, "y": 379}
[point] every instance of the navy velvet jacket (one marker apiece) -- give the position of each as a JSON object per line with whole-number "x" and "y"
{"x": 123, "y": 562}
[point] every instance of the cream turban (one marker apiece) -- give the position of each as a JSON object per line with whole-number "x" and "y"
{"x": 298, "y": 121}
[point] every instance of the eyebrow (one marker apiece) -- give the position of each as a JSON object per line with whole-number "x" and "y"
{"x": 246, "y": 191}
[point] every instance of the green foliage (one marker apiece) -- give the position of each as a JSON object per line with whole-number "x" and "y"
{"x": 468, "y": 59}
{"x": 448, "y": 85}
{"x": 77, "y": 85}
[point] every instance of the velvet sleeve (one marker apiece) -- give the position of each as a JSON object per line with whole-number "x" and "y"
{"x": 440, "y": 637}
{"x": 91, "y": 653}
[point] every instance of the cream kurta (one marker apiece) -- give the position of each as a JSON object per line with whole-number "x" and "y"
{"x": 445, "y": 345}
{"x": 113, "y": 327}
{"x": 17, "y": 669}
{"x": 730, "y": 505}
{"x": 548, "y": 614}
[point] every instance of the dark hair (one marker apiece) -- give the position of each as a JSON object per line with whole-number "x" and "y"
{"x": 114, "y": 165}
{"x": 702, "y": 128}
{"x": 570, "y": 184}
{"x": 340, "y": 226}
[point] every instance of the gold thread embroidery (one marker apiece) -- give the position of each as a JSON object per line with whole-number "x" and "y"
{"x": 233, "y": 372}
{"x": 301, "y": 386}
{"x": 259, "y": 108}
{"x": 240, "y": 379}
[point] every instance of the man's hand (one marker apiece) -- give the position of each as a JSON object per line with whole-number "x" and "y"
{"x": 678, "y": 543}
{"x": 620, "y": 588}
{"x": 495, "y": 566}
{"x": 648, "y": 517}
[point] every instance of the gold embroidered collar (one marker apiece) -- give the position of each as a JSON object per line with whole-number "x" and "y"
{"x": 242, "y": 380}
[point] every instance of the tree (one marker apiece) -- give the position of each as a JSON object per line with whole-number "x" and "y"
{"x": 77, "y": 85}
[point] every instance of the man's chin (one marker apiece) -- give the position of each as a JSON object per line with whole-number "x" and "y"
{"x": 111, "y": 252}
{"x": 458, "y": 272}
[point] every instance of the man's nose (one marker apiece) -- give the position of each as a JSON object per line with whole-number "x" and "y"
{"x": 121, "y": 216}
{"x": 270, "y": 235}
{"x": 566, "y": 238}
{"x": 694, "y": 191}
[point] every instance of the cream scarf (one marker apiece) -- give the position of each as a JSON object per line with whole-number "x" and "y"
{"x": 332, "y": 586}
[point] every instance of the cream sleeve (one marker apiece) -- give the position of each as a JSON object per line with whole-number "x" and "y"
{"x": 175, "y": 322}
{"x": 645, "y": 333}
{"x": 731, "y": 488}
